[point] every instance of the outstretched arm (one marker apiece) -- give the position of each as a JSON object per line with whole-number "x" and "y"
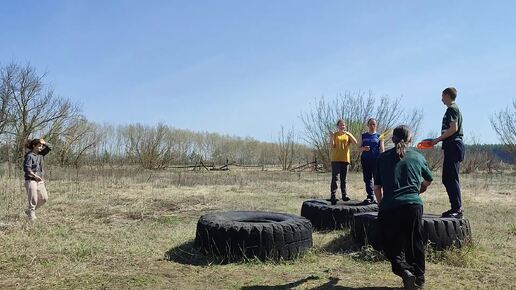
{"x": 454, "y": 127}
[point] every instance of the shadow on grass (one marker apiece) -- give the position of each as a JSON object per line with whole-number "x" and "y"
{"x": 290, "y": 285}
{"x": 188, "y": 254}
{"x": 345, "y": 244}
{"x": 342, "y": 244}
{"x": 331, "y": 284}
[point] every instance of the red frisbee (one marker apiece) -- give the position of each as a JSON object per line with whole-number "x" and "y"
{"x": 425, "y": 144}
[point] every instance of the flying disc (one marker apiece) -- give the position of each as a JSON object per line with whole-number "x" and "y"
{"x": 425, "y": 144}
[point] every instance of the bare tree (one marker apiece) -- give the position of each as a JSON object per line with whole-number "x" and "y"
{"x": 78, "y": 138}
{"x": 504, "y": 123}
{"x": 6, "y": 96}
{"x": 355, "y": 109}
{"x": 286, "y": 143}
{"x": 34, "y": 107}
{"x": 147, "y": 145}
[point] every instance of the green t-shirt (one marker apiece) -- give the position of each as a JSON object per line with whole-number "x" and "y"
{"x": 401, "y": 179}
{"x": 452, "y": 115}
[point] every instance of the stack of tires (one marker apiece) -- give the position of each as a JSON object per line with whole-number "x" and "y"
{"x": 440, "y": 233}
{"x": 325, "y": 216}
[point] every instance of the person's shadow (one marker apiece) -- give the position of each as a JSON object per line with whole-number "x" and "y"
{"x": 331, "y": 284}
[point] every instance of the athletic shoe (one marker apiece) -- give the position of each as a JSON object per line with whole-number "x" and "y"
{"x": 345, "y": 198}
{"x": 409, "y": 280}
{"x": 453, "y": 214}
{"x": 333, "y": 199}
{"x": 419, "y": 284}
{"x": 30, "y": 214}
{"x": 368, "y": 201}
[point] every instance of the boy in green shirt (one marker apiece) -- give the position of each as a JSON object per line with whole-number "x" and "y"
{"x": 453, "y": 148}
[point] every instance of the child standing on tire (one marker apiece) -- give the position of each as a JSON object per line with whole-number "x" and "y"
{"x": 34, "y": 182}
{"x": 401, "y": 175}
{"x": 371, "y": 146}
{"x": 340, "y": 142}
{"x": 453, "y": 148}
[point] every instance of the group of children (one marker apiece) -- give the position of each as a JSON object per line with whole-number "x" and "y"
{"x": 401, "y": 174}
{"x": 370, "y": 145}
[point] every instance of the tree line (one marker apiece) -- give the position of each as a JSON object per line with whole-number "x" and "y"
{"x": 29, "y": 108}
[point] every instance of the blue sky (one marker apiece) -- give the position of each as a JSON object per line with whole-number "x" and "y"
{"x": 246, "y": 68}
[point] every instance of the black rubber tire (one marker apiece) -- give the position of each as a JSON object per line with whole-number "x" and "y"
{"x": 325, "y": 216}
{"x": 365, "y": 231}
{"x": 443, "y": 233}
{"x": 440, "y": 233}
{"x": 265, "y": 235}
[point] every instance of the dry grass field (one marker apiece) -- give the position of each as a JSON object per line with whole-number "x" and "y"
{"x": 133, "y": 229}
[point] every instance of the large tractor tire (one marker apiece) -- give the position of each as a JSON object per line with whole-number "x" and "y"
{"x": 325, "y": 216}
{"x": 440, "y": 233}
{"x": 265, "y": 235}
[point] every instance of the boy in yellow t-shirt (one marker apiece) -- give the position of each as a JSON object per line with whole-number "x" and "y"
{"x": 340, "y": 142}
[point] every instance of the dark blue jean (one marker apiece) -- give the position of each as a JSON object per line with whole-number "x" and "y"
{"x": 368, "y": 167}
{"x": 453, "y": 156}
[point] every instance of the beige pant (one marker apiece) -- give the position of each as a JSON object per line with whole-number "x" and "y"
{"x": 36, "y": 194}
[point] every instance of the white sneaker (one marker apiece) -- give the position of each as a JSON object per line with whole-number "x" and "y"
{"x": 31, "y": 214}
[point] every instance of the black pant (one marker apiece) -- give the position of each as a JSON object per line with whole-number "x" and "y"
{"x": 401, "y": 229}
{"x": 453, "y": 156}
{"x": 368, "y": 167}
{"x": 338, "y": 168}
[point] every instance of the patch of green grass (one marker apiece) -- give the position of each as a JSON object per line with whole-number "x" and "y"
{"x": 170, "y": 220}
{"x": 512, "y": 230}
{"x": 467, "y": 256}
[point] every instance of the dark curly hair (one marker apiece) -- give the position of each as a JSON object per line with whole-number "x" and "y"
{"x": 34, "y": 142}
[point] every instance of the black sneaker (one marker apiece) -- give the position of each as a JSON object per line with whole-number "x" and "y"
{"x": 419, "y": 284}
{"x": 368, "y": 201}
{"x": 333, "y": 199}
{"x": 453, "y": 214}
{"x": 345, "y": 198}
{"x": 409, "y": 280}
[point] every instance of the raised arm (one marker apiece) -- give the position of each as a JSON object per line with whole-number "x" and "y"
{"x": 351, "y": 137}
